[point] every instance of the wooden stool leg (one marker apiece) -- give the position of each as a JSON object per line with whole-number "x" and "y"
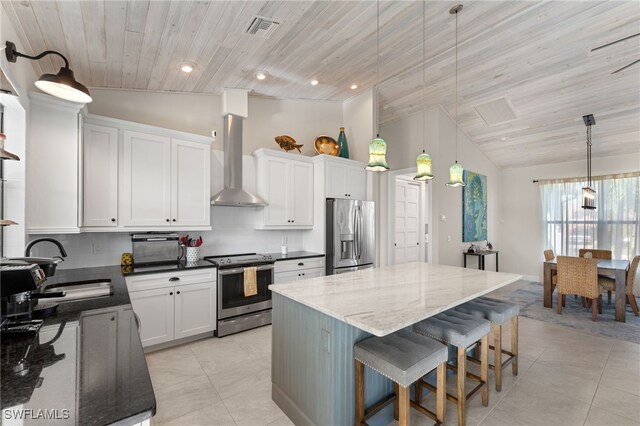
{"x": 600, "y": 304}
{"x": 594, "y": 309}
{"x": 609, "y": 297}
{"x": 497, "y": 354}
{"x": 441, "y": 392}
{"x": 395, "y": 401}
{"x": 560, "y": 298}
{"x": 403, "y": 406}
{"x": 514, "y": 345}
{"x": 634, "y": 305}
{"x": 484, "y": 369}
{"x": 359, "y": 393}
{"x": 462, "y": 373}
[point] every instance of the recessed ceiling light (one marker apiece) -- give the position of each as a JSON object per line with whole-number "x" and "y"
{"x": 354, "y": 86}
{"x": 314, "y": 82}
{"x": 502, "y": 139}
{"x": 187, "y": 67}
{"x": 261, "y": 75}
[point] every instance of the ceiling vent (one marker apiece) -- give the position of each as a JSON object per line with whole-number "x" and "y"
{"x": 262, "y": 27}
{"x": 495, "y": 112}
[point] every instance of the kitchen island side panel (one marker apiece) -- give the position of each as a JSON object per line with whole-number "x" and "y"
{"x": 313, "y": 368}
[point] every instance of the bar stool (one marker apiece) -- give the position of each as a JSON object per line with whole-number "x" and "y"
{"x": 462, "y": 331}
{"x": 498, "y": 312}
{"x": 402, "y": 357}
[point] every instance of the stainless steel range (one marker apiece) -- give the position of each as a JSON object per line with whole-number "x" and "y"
{"x": 237, "y": 312}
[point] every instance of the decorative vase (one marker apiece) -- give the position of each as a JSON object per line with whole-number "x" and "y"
{"x": 342, "y": 143}
{"x": 192, "y": 254}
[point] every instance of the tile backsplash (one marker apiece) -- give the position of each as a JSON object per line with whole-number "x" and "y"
{"x": 233, "y": 232}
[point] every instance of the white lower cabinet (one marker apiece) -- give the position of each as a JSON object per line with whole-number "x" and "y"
{"x": 194, "y": 309}
{"x": 287, "y": 271}
{"x": 155, "y": 310}
{"x": 173, "y": 306}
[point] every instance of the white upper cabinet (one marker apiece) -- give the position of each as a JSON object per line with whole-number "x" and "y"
{"x": 285, "y": 182}
{"x": 190, "y": 183}
{"x": 139, "y": 177}
{"x": 146, "y": 180}
{"x": 100, "y": 176}
{"x": 344, "y": 178}
{"x": 52, "y": 166}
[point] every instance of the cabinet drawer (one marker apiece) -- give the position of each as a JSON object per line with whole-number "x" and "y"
{"x": 299, "y": 264}
{"x": 303, "y": 274}
{"x": 170, "y": 279}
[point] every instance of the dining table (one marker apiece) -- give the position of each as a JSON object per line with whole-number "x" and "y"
{"x": 613, "y": 268}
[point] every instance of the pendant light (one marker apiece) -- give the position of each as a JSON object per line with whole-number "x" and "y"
{"x": 62, "y": 85}
{"x": 456, "y": 170}
{"x": 588, "y": 193}
{"x": 423, "y": 161}
{"x": 377, "y": 147}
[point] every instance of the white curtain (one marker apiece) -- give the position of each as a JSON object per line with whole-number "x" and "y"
{"x": 614, "y": 224}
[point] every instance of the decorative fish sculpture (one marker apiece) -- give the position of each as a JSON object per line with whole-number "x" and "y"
{"x": 287, "y": 143}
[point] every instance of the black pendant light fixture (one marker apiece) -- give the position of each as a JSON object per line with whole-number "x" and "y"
{"x": 456, "y": 170}
{"x": 588, "y": 193}
{"x": 62, "y": 85}
{"x": 423, "y": 161}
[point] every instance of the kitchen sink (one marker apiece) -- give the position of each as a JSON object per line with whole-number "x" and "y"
{"x": 79, "y": 290}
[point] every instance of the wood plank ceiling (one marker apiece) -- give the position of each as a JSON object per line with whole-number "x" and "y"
{"x": 534, "y": 54}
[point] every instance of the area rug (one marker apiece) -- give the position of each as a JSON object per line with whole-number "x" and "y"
{"x": 574, "y": 315}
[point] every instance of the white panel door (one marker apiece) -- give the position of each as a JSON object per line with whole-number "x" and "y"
{"x": 146, "y": 180}
{"x": 190, "y": 183}
{"x": 335, "y": 180}
{"x": 301, "y": 193}
{"x": 155, "y": 310}
{"x": 195, "y": 309}
{"x": 407, "y": 222}
{"x": 356, "y": 182}
{"x": 100, "y": 176}
{"x": 276, "y": 191}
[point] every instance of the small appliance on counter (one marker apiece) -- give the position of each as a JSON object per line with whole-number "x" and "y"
{"x": 156, "y": 247}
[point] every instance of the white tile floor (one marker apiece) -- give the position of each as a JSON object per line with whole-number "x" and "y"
{"x": 566, "y": 378}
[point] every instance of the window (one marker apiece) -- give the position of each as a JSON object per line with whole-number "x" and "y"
{"x": 614, "y": 225}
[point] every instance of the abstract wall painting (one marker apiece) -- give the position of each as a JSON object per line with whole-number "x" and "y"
{"x": 474, "y": 207}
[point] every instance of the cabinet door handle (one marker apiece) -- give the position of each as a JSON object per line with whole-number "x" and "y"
{"x": 300, "y": 264}
{"x": 168, "y": 220}
{"x": 303, "y": 274}
{"x": 170, "y": 293}
{"x": 178, "y": 292}
{"x": 174, "y": 220}
{"x": 113, "y": 219}
{"x": 174, "y": 279}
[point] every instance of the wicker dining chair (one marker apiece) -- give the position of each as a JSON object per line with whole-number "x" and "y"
{"x": 579, "y": 276}
{"x": 550, "y": 255}
{"x": 597, "y": 254}
{"x": 609, "y": 284}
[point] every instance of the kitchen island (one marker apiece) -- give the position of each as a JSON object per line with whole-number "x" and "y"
{"x": 317, "y": 321}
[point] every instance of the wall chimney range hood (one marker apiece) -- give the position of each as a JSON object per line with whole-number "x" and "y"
{"x": 233, "y": 194}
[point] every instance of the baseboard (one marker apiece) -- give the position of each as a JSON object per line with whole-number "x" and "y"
{"x": 289, "y": 407}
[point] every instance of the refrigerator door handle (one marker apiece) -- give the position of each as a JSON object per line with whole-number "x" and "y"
{"x": 355, "y": 232}
{"x": 358, "y": 230}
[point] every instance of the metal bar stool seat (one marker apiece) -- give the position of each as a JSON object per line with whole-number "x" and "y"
{"x": 403, "y": 357}
{"x": 462, "y": 331}
{"x": 498, "y": 312}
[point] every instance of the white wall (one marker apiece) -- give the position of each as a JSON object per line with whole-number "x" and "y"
{"x": 404, "y": 138}
{"x": 20, "y": 73}
{"x": 520, "y": 213}
{"x": 200, "y": 114}
{"x": 359, "y": 124}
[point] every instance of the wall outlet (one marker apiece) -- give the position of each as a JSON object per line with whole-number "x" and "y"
{"x": 98, "y": 247}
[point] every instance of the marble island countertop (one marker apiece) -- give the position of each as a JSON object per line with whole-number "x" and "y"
{"x": 383, "y": 300}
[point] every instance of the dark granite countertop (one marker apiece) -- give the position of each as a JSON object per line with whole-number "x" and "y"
{"x": 166, "y": 267}
{"x": 86, "y": 366}
{"x": 292, "y": 255}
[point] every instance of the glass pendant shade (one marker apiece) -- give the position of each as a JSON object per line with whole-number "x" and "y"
{"x": 455, "y": 175}
{"x": 423, "y": 164}
{"x": 377, "y": 156}
{"x": 588, "y": 198}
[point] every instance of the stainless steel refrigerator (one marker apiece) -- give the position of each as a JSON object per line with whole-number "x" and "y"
{"x": 350, "y": 239}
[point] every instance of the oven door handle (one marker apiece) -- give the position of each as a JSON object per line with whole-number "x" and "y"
{"x": 238, "y": 270}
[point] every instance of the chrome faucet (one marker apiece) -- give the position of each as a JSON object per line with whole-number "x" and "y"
{"x": 27, "y": 249}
